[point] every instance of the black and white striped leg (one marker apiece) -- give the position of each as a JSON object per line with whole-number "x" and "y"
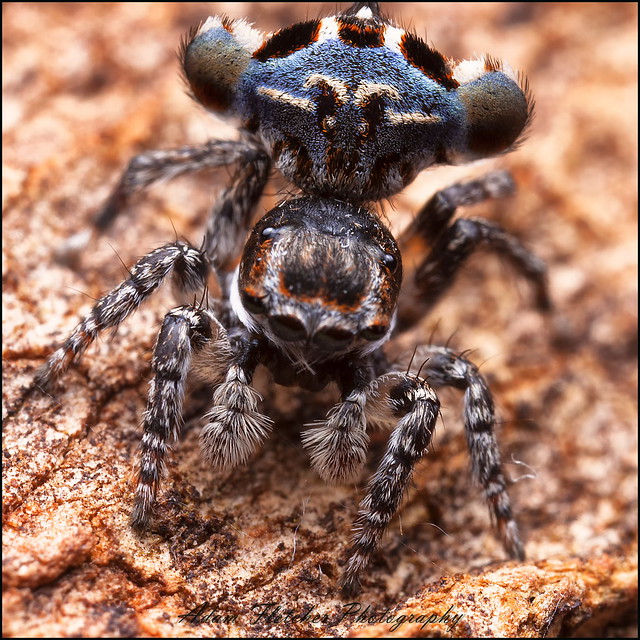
{"x": 444, "y": 367}
{"x": 338, "y": 445}
{"x": 185, "y": 330}
{"x": 417, "y": 407}
{"x": 190, "y": 270}
{"x": 148, "y": 168}
{"x": 235, "y": 428}
{"x": 232, "y": 216}
{"x": 451, "y": 245}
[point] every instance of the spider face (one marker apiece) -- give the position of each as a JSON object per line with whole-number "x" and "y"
{"x": 320, "y": 278}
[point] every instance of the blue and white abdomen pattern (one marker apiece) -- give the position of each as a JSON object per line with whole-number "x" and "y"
{"x": 351, "y": 107}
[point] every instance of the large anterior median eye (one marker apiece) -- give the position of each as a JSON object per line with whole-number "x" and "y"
{"x": 288, "y": 328}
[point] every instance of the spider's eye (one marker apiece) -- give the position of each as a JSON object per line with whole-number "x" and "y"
{"x": 390, "y": 261}
{"x": 267, "y": 232}
{"x": 374, "y": 332}
{"x": 253, "y": 304}
{"x": 288, "y": 328}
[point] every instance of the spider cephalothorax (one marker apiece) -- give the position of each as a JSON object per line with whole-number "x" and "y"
{"x": 350, "y": 109}
{"x": 320, "y": 278}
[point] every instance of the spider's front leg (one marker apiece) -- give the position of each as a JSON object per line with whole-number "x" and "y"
{"x": 185, "y": 331}
{"x": 190, "y": 270}
{"x": 338, "y": 445}
{"x": 236, "y": 428}
{"x": 445, "y": 367}
{"x": 231, "y": 218}
{"x": 416, "y": 407}
{"x": 451, "y": 244}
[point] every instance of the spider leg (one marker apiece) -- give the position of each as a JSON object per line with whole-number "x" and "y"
{"x": 445, "y": 367}
{"x": 185, "y": 331}
{"x": 235, "y": 427}
{"x": 231, "y": 218}
{"x": 190, "y": 271}
{"x": 148, "y": 168}
{"x": 415, "y": 406}
{"x": 338, "y": 445}
{"x": 451, "y": 244}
